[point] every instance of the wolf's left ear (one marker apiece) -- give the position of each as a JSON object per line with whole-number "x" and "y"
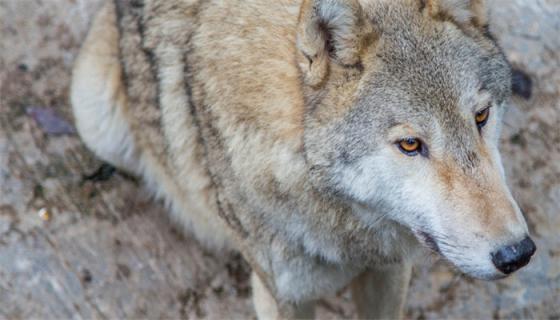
{"x": 330, "y": 31}
{"x": 472, "y": 12}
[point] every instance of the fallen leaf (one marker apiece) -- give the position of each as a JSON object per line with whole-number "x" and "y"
{"x": 50, "y": 121}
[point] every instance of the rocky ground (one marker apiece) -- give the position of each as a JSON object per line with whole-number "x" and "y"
{"x": 107, "y": 251}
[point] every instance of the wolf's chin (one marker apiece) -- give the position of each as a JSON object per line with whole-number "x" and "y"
{"x": 485, "y": 276}
{"x": 479, "y": 273}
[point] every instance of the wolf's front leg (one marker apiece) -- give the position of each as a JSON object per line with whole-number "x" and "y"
{"x": 380, "y": 293}
{"x": 267, "y": 307}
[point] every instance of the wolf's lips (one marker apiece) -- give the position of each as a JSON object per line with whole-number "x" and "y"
{"x": 428, "y": 240}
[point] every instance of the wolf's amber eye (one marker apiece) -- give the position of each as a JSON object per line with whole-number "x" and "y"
{"x": 481, "y": 117}
{"x": 410, "y": 146}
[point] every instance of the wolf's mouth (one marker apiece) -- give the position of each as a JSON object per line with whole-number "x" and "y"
{"x": 428, "y": 240}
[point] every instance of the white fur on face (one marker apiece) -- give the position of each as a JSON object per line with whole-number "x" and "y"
{"x": 406, "y": 189}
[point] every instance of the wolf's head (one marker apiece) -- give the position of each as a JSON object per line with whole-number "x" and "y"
{"x": 404, "y": 103}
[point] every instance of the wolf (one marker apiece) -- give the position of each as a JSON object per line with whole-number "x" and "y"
{"x": 328, "y": 141}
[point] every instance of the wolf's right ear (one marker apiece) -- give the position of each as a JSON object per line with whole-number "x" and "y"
{"x": 330, "y": 30}
{"x": 472, "y": 12}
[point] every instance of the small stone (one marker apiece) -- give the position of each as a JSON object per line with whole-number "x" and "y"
{"x": 44, "y": 214}
{"x": 86, "y": 276}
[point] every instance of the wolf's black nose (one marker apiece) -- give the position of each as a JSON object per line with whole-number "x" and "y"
{"x": 510, "y": 258}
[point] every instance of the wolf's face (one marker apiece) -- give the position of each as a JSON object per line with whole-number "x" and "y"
{"x": 403, "y": 121}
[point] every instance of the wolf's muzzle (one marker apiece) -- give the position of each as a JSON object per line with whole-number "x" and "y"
{"x": 513, "y": 257}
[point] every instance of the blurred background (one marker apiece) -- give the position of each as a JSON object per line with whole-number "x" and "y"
{"x": 72, "y": 247}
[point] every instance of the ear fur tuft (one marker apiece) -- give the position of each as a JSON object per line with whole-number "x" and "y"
{"x": 461, "y": 11}
{"x": 330, "y": 30}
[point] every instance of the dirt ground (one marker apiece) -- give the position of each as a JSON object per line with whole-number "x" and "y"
{"x": 108, "y": 251}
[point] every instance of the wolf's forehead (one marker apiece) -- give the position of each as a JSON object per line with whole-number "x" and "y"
{"x": 441, "y": 67}
{"x": 429, "y": 84}
{"x": 441, "y": 79}
{"x": 438, "y": 100}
